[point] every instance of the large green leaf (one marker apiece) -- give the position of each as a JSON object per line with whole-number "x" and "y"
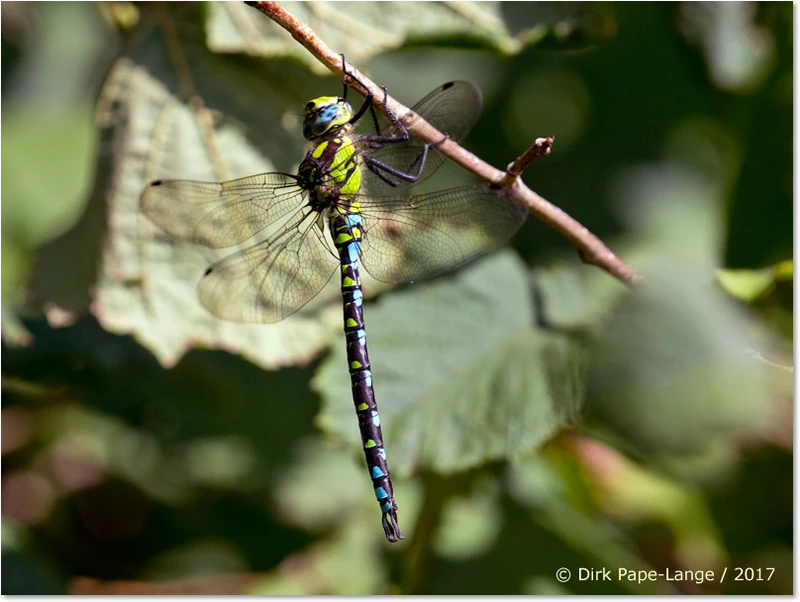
{"x": 462, "y": 374}
{"x": 359, "y": 30}
{"x": 362, "y": 30}
{"x": 673, "y": 372}
{"x": 172, "y": 109}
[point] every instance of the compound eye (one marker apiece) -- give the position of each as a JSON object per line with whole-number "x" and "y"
{"x": 310, "y": 106}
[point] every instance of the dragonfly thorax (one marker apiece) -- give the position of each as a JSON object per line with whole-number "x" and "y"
{"x": 330, "y": 171}
{"x": 326, "y": 115}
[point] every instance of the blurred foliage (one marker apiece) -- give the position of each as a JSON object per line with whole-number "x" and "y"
{"x": 538, "y": 414}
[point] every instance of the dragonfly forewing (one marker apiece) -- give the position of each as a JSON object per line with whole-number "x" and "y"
{"x": 220, "y": 214}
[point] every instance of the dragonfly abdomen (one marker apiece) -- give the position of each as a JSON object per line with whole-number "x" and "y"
{"x": 347, "y": 233}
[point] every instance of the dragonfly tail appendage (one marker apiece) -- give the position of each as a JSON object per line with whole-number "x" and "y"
{"x": 346, "y": 230}
{"x": 390, "y": 526}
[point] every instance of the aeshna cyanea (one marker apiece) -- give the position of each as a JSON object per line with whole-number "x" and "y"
{"x": 398, "y": 238}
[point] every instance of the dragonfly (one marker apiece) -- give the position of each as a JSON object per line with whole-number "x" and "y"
{"x": 348, "y": 205}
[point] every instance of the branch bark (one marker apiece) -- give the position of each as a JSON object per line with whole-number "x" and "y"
{"x": 590, "y": 248}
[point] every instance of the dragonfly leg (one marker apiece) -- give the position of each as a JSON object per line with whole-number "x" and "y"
{"x": 412, "y": 174}
{"x": 423, "y": 154}
{"x": 346, "y": 74}
{"x": 392, "y": 117}
{"x": 375, "y": 115}
{"x": 367, "y": 104}
{"x": 378, "y": 139}
{"x": 383, "y": 176}
{"x": 381, "y": 169}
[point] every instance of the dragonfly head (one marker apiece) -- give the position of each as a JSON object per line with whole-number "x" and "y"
{"x": 325, "y": 115}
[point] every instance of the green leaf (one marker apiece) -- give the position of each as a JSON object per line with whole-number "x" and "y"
{"x": 747, "y": 285}
{"x": 573, "y": 298}
{"x": 45, "y": 189}
{"x": 739, "y": 52}
{"x": 784, "y": 271}
{"x": 322, "y": 467}
{"x": 363, "y": 30}
{"x": 347, "y": 564}
{"x": 471, "y": 523}
{"x": 48, "y": 109}
{"x": 750, "y": 285}
{"x": 461, "y": 373}
{"x": 673, "y": 372}
{"x": 172, "y": 109}
{"x": 359, "y": 30}
{"x": 553, "y": 490}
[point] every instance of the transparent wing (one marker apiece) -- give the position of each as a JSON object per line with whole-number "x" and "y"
{"x": 452, "y": 108}
{"x": 272, "y": 279}
{"x": 417, "y": 237}
{"x": 220, "y": 214}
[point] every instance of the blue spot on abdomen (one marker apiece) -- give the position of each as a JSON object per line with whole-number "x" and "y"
{"x": 352, "y": 251}
{"x": 353, "y": 219}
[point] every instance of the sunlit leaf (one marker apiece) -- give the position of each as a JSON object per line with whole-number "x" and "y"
{"x": 346, "y": 564}
{"x": 737, "y": 50}
{"x": 318, "y": 468}
{"x": 633, "y": 494}
{"x": 363, "y": 30}
{"x": 358, "y": 30}
{"x": 573, "y": 298}
{"x": 461, "y": 373}
{"x": 471, "y": 523}
{"x": 171, "y": 109}
{"x": 749, "y": 285}
{"x": 672, "y": 369}
{"x": 563, "y": 505}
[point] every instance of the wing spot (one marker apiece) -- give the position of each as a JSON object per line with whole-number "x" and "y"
{"x": 156, "y": 183}
{"x": 392, "y": 232}
{"x": 447, "y": 86}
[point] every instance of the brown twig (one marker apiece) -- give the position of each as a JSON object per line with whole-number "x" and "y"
{"x": 540, "y": 148}
{"x": 590, "y": 248}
